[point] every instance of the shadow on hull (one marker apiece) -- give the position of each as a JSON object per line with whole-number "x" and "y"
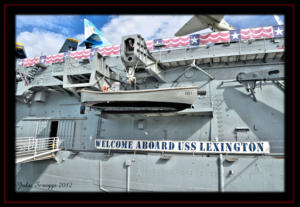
{"x": 140, "y": 107}
{"x": 264, "y": 121}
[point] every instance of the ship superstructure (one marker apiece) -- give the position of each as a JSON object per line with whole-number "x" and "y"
{"x": 213, "y": 119}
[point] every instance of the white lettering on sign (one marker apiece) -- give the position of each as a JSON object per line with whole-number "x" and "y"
{"x": 184, "y": 146}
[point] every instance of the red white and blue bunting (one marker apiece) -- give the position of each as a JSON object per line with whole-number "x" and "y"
{"x": 192, "y": 40}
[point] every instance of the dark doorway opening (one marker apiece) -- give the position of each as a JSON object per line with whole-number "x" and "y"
{"x": 53, "y": 129}
{"x": 53, "y": 133}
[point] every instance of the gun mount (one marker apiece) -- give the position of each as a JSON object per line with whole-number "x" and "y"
{"x": 135, "y": 56}
{"x": 249, "y": 79}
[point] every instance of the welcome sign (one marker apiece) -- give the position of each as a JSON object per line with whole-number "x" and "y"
{"x": 224, "y": 147}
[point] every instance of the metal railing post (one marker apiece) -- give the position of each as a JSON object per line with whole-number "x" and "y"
{"x": 35, "y": 146}
{"x": 28, "y": 143}
{"x": 53, "y": 143}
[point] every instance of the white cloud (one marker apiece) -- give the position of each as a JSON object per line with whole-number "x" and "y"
{"x": 149, "y": 26}
{"x": 80, "y": 38}
{"x": 40, "y": 42}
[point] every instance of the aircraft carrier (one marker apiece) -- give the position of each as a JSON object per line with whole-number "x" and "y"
{"x": 224, "y": 135}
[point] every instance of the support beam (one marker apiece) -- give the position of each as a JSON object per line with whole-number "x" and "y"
{"x": 154, "y": 71}
{"x": 128, "y": 163}
{"x": 83, "y": 77}
{"x": 74, "y": 77}
{"x": 100, "y": 177}
{"x": 200, "y": 69}
{"x": 221, "y": 174}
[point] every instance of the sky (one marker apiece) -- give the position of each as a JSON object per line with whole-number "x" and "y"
{"x": 45, "y": 34}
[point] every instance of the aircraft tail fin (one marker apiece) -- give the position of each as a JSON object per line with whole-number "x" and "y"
{"x": 93, "y": 36}
{"x": 70, "y": 44}
{"x": 20, "y": 51}
{"x": 278, "y": 20}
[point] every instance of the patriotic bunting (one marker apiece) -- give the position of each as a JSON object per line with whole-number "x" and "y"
{"x": 278, "y": 31}
{"x": 110, "y": 50}
{"x": 31, "y": 61}
{"x": 149, "y": 44}
{"x": 157, "y": 43}
{"x": 93, "y": 50}
{"x": 54, "y": 58}
{"x": 257, "y": 33}
{"x": 215, "y": 37}
{"x": 194, "y": 39}
{"x": 174, "y": 42}
{"x": 20, "y": 62}
{"x": 43, "y": 59}
{"x": 78, "y": 55}
{"x": 235, "y": 35}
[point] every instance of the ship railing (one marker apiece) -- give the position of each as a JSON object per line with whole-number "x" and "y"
{"x": 32, "y": 148}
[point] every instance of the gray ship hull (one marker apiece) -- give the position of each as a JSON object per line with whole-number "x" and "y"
{"x": 226, "y": 112}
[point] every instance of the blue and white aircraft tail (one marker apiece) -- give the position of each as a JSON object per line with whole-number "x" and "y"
{"x": 93, "y": 36}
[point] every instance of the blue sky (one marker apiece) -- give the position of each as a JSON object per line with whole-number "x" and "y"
{"x": 45, "y": 34}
